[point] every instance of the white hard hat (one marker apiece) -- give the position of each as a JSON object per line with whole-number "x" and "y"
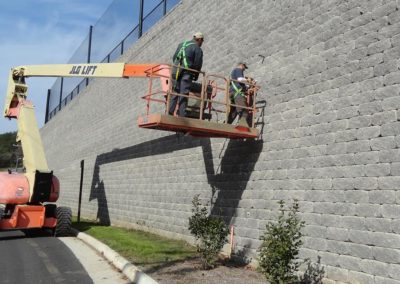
{"x": 198, "y": 35}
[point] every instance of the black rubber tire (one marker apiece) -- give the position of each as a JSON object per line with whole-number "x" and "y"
{"x": 64, "y": 220}
{"x": 51, "y": 211}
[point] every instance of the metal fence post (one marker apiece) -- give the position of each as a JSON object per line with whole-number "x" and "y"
{"x": 46, "y": 118}
{"x": 61, "y": 92}
{"x": 89, "y": 49}
{"x": 141, "y": 7}
{"x": 80, "y": 190}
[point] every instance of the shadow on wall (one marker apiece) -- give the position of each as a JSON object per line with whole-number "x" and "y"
{"x": 154, "y": 147}
{"x": 230, "y": 180}
{"x": 227, "y": 184}
{"x": 233, "y": 173}
{"x": 97, "y": 191}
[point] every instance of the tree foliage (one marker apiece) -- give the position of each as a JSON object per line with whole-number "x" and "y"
{"x": 7, "y": 151}
{"x": 210, "y": 232}
{"x": 278, "y": 258}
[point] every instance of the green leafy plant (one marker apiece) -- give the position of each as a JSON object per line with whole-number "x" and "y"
{"x": 314, "y": 272}
{"x": 278, "y": 253}
{"x": 7, "y": 151}
{"x": 210, "y": 232}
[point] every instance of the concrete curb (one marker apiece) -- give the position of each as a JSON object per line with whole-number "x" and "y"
{"x": 132, "y": 272}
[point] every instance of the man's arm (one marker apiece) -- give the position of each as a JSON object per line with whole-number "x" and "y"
{"x": 240, "y": 76}
{"x": 198, "y": 61}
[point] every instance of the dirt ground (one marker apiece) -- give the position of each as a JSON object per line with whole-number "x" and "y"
{"x": 189, "y": 271}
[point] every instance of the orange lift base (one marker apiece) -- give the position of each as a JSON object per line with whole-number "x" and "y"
{"x": 195, "y": 127}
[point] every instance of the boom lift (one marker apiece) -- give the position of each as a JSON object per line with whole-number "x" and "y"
{"x": 28, "y": 197}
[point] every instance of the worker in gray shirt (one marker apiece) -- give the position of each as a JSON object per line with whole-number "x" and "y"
{"x": 188, "y": 55}
{"x": 237, "y": 93}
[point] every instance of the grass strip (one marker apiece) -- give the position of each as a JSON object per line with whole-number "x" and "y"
{"x": 144, "y": 249}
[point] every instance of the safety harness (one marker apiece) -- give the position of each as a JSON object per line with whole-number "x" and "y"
{"x": 238, "y": 91}
{"x": 181, "y": 57}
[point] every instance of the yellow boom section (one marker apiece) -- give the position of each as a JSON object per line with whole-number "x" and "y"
{"x": 28, "y": 134}
{"x": 74, "y": 70}
{"x": 18, "y": 74}
{"x": 32, "y": 147}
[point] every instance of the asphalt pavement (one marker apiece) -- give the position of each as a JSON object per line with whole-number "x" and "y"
{"x": 37, "y": 257}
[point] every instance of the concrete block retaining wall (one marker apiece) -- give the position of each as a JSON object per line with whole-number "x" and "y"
{"x": 329, "y": 72}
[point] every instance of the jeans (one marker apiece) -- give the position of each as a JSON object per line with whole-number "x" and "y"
{"x": 235, "y": 111}
{"x": 182, "y": 86}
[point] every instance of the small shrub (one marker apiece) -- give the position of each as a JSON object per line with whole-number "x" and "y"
{"x": 280, "y": 246}
{"x": 314, "y": 272}
{"x": 210, "y": 232}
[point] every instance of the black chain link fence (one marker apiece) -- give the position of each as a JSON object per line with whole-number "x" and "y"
{"x": 131, "y": 18}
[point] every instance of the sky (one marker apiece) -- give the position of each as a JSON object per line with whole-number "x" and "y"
{"x": 41, "y": 32}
